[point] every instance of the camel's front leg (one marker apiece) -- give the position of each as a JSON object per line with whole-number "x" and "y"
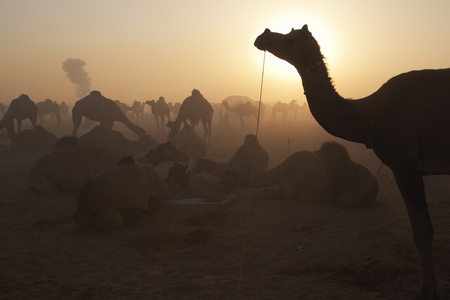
{"x": 410, "y": 183}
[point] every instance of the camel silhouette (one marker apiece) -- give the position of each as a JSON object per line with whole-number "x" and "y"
{"x": 242, "y": 109}
{"x": 160, "y": 109}
{"x": 98, "y": 108}
{"x": 20, "y": 108}
{"x": 137, "y": 111}
{"x": 49, "y": 107}
{"x": 194, "y": 108}
{"x": 64, "y": 109}
{"x": 405, "y": 122}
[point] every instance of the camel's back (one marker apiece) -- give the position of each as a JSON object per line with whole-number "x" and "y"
{"x": 196, "y": 108}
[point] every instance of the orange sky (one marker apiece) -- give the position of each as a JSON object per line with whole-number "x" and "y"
{"x": 140, "y": 50}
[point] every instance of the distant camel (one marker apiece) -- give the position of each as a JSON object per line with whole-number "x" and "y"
{"x": 116, "y": 142}
{"x": 64, "y": 110}
{"x": 20, "y": 108}
{"x": 405, "y": 122}
{"x": 194, "y": 108}
{"x": 137, "y": 111}
{"x": 106, "y": 200}
{"x": 37, "y": 139}
{"x": 98, "y": 108}
{"x": 294, "y": 106}
{"x": 325, "y": 175}
{"x": 160, "y": 109}
{"x": 49, "y": 107}
{"x": 242, "y": 109}
{"x": 174, "y": 109}
{"x": 280, "y": 107}
{"x": 70, "y": 165}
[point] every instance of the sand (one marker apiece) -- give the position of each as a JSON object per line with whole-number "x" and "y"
{"x": 245, "y": 249}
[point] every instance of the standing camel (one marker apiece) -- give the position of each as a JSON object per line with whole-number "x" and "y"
{"x": 19, "y": 109}
{"x": 194, "y": 108}
{"x": 294, "y": 106}
{"x": 160, "y": 109}
{"x": 49, "y": 107}
{"x": 64, "y": 109}
{"x": 280, "y": 107}
{"x": 98, "y": 108}
{"x": 137, "y": 111}
{"x": 243, "y": 109}
{"x": 405, "y": 122}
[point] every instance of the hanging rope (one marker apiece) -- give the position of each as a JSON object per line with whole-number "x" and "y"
{"x": 249, "y": 199}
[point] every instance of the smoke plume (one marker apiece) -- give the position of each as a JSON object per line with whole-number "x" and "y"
{"x": 77, "y": 75}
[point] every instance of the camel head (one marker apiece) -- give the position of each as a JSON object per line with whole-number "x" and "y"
{"x": 174, "y": 128}
{"x": 150, "y": 102}
{"x": 298, "y": 47}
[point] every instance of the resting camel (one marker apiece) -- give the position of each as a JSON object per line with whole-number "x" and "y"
{"x": 20, "y": 108}
{"x": 36, "y": 139}
{"x": 405, "y": 122}
{"x": 188, "y": 141}
{"x": 106, "y": 200}
{"x": 98, "y": 108}
{"x": 115, "y": 141}
{"x": 49, "y": 107}
{"x": 326, "y": 175}
{"x": 70, "y": 165}
{"x": 160, "y": 109}
{"x": 194, "y": 108}
{"x": 242, "y": 109}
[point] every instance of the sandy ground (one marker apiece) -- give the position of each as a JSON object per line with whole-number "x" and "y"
{"x": 247, "y": 249}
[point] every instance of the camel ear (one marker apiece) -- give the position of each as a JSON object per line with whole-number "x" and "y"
{"x": 305, "y": 27}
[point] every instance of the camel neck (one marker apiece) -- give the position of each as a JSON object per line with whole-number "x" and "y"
{"x": 338, "y": 116}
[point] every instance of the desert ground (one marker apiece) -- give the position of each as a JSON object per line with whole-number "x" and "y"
{"x": 245, "y": 249}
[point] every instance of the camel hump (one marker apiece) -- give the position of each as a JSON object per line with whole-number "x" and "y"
{"x": 96, "y": 93}
{"x": 67, "y": 141}
{"x": 126, "y": 160}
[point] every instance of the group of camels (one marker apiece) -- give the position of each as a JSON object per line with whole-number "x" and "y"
{"x": 405, "y": 122}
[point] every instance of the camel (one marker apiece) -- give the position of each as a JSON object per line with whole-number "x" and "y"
{"x": 64, "y": 109}
{"x": 115, "y": 142}
{"x": 49, "y": 107}
{"x": 2, "y": 109}
{"x": 106, "y": 200}
{"x": 280, "y": 107}
{"x": 70, "y": 165}
{"x": 174, "y": 108}
{"x": 188, "y": 141}
{"x": 98, "y": 108}
{"x": 160, "y": 109}
{"x": 20, "y": 108}
{"x": 137, "y": 111}
{"x": 124, "y": 107}
{"x": 405, "y": 122}
{"x": 194, "y": 108}
{"x": 242, "y": 109}
{"x": 37, "y": 139}
{"x": 294, "y": 106}
{"x": 326, "y": 175}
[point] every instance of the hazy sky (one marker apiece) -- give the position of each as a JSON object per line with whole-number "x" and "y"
{"x": 143, "y": 49}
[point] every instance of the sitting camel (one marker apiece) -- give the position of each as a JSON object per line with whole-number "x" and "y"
{"x": 20, "y": 108}
{"x": 98, "y": 108}
{"x": 194, "y": 108}
{"x": 248, "y": 160}
{"x": 161, "y": 110}
{"x": 70, "y": 165}
{"x": 51, "y": 108}
{"x": 115, "y": 141}
{"x": 188, "y": 141}
{"x": 37, "y": 139}
{"x": 108, "y": 198}
{"x": 327, "y": 174}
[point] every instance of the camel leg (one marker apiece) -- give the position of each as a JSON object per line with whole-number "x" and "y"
{"x": 19, "y": 125}
{"x": 76, "y": 125}
{"x": 411, "y": 186}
